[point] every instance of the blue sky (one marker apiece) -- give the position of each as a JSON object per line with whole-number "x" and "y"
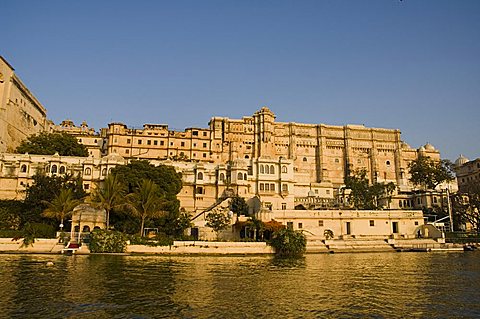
{"x": 411, "y": 64}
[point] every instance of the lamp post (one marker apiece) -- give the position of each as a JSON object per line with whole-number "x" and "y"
{"x": 450, "y": 215}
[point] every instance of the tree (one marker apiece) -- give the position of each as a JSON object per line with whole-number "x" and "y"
{"x": 217, "y": 221}
{"x": 50, "y": 143}
{"x": 61, "y": 206}
{"x": 366, "y": 195}
{"x": 43, "y": 191}
{"x": 145, "y": 202}
{"x": 239, "y": 206}
{"x": 169, "y": 184}
{"x": 289, "y": 243}
{"x": 466, "y": 206}
{"x": 109, "y": 195}
{"x": 429, "y": 173}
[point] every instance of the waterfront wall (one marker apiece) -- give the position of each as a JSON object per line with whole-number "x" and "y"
{"x": 204, "y": 247}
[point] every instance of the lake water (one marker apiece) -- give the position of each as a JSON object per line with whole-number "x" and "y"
{"x": 368, "y": 285}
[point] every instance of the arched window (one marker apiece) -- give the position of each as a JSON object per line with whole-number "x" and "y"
{"x": 54, "y": 169}
{"x": 247, "y": 157}
{"x": 284, "y": 169}
{"x": 261, "y": 169}
{"x": 23, "y": 169}
{"x": 88, "y": 171}
{"x": 284, "y": 187}
{"x": 86, "y": 229}
{"x": 240, "y": 176}
{"x": 245, "y": 176}
{"x": 267, "y": 169}
{"x": 200, "y": 176}
{"x": 62, "y": 170}
{"x": 304, "y": 159}
{"x": 104, "y": 172}
{"x": 272, "y": 169}
{"x": 222, "y": 176}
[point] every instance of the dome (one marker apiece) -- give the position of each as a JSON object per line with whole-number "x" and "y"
{"x": 311, "y": 193}
{"x": 461, "y": 160}
{"x": 114, "y": 157}
{"x": 429, "y": 147}
{"x": 405, "y": 145}
{"x": 421, "y": 149}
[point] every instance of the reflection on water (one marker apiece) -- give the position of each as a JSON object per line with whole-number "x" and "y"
{"x": 374, "y": 285}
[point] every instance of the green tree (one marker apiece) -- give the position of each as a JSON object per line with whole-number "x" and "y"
{"x": 145, "y": 202}
{"x": 429, "y": 173}
{"x": 109, "y": 195}
{"x": 50, "y": 143}
{"x": 288, "y": 243}
{"x": 466, "y": 206}
{"x": 169, "y": 184}
{"x": 239, "y": 206}
{"x": 217, "y": 221}
{"x": 43, "y": 191}
{"x": 10, "y": 212}
{"x": 366, "y": 195}
{"x": 61, "y": 206}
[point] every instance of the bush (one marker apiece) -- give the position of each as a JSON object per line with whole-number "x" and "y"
{"x": 10, "y": 233}
{"x": 107, "y": 241}
{"x": 288, "y": 243}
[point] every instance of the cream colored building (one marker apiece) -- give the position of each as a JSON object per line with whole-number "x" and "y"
{"x": 21, "y": 114}
{"x": 93, "y": 141}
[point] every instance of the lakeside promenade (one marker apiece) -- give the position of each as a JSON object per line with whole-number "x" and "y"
{"x": 52, "y": 246}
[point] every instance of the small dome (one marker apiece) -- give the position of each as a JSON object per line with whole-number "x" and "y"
{"x": 405, "y": 145}
{"x": 311, "y": 193}
{"x": 461, "y": 160}
{"x": 421, "y": 149}
{"x": 429, "y": 147}
{"x": 113, "y": 157}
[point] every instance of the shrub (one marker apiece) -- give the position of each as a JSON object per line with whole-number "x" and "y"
{"x": 288, "y": 243}
{"x": 107, "y": 241}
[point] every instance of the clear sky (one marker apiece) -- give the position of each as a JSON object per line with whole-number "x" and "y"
{"x": 412, "y": 64}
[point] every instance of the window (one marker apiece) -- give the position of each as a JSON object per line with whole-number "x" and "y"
{"x": 200, "y": 176}
{"x": 304, "y": 159}
{"x": 204, "y": 133}
{"x": 88, "y": 171}
{"x": 416, "y": 223}
{"x": 155, "y": 142}
{"x": 400, "y": 203}
{"x": 240, "y": 176}
{"x": 372, "y": 223}
{"x": 104, "y": 172}
{"x": 54, "y": 169}
{"x": 267, "y": 169}
{"x": 204, "y": 155}
{"x": 267, "y": 187}
{"x": 245, "y": 176}
{"x": 199, "y": 190}
{"x": 128, "y": 141}
{"x": 284, "y": 169}
{"x": 204, "y": 144}
{"x": 23, "y": 169}
{"x": 127, "y": 151}
{"x": 182, "y": 144}
{"x": 272, "y": 169}
{"x": 162, "y": 143}
{"x": 290, "y": 225}
{"x": 284, "y": 187}
{"x": 171, "y": 143}
{"x": 262, "y": 186}
{"x": 139, "y": 142}
{"x": 300, "y": 225}
{"x": 222, "y": 176}
{"x": 62, "y": 170}
{"x": 388, "y": 163}
{"x": 337, "y": 160}
{"x": 435, "y": 200}
{"x": 328, "y": 192}
{"x": 86, "y": 186}
{"x": 272, "y": 187}
{"x": 149, "y": 142}
{"x": 284, "y": 206}
{"x": 262, "y": 169}
{"x": 195, "y": 133}
{"x": 320, "y": 223}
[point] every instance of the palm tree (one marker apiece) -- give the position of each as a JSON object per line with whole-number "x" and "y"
{"x": 110, "y": 195}
{"x": 145, "y": 202}
{"x": 61, "y": 206}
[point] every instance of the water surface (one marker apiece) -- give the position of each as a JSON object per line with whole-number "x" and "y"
{"x": 373, "y": 285}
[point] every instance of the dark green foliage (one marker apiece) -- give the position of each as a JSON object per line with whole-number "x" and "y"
{"x": 217, "y": 221}
{"x": 50, "y": 143}
{"x": 10, "y": 212}
{"x": 288, "y": 243}
{"x": 429, "y": 173}
{"x": 107, "y": 241}
{"x": 169, "y": 184}
{"x": 32, "y": 231}
{"x": 239, "y": 206}
{"x": 466, "y": 206}
{"x": 366, "y": 195}
{"x": 44, "y": 190}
